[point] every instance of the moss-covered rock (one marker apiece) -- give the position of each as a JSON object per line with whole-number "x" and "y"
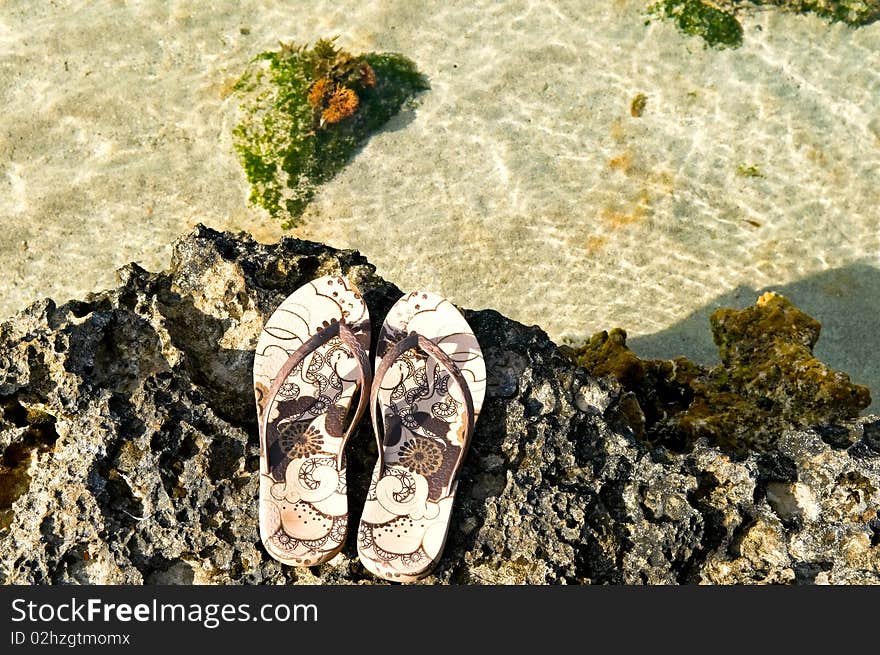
{"x": 852, "y": 12}
{"x": 716, "y": 20}
{"x": 768, "y": 381}
{"x": 662, "y": 387}
{"x": 306, "y": 112}
{"x": 718, "y": 27}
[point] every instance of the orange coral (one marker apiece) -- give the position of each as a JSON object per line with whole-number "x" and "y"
{"x": 343, "y": 103}
{"x": 320, "y": 92}
{"x": 368, "y": 76}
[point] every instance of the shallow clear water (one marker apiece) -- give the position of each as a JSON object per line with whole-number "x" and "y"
{"x": 521, "y": 182}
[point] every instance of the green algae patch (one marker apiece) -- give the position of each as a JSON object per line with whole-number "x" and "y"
{"x": 748, "y": 170}
{"x": 306, "y": 113}
{"x": 768, "y": 381}
{"x": 638, "y": 105}
{"x": 851, "y": 12}
{"x": 716, "y": 20}
{"x": 718, "y": 27}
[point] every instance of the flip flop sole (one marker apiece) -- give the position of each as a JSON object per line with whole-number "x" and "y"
{"x": 303, "y": 494}
{"x": 405, "y": 520}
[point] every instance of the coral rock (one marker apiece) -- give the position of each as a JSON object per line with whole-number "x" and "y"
{"x": 130, "y": 452}
{"x": 768, "y": 381}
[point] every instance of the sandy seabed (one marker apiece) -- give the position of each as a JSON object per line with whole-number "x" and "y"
{"x": 520, "y": 182}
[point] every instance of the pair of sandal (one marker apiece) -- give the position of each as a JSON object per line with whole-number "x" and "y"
{"x": 311, "y": 363}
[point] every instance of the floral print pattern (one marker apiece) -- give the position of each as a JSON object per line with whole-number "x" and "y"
{"x": 303, "y": 493}
{"x": 406, "y": 515}
{"x": 422, "y": 456}
{"x": 299, "y": 438}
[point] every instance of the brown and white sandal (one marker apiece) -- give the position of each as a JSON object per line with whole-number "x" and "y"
{"x": 429, "y": 385}
{"x": 311, "y": 360}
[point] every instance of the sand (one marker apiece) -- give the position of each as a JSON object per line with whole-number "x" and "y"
{"x": 521, "y": 182}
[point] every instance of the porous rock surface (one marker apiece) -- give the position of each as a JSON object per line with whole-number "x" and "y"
{"x": 130, "y": 452}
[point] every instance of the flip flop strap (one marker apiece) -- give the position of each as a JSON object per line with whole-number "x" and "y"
{"x": 414, "y": 340}
{"x": 340, "y": 329}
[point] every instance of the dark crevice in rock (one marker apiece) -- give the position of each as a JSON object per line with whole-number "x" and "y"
{"x": 72, "y": 565}
{"x": 836, "y": 436}
{"x": 773, "y": 467}
{"x": 196, "y": 335}
{"x": 149, "y": 566}
{"x": 597, "y": 559}
{"x": 114, "y": 349}
{"x": 806, "y": 572}
{"x": 130, "y": 425}
{"x": 874, "y": 525}
{"x": 81, "y": 309}
{"x": 738, "y": 535}
{"x": 37, "y": 435}
{"x": 175, "y": 446}
{"x": 871, "y": 438}
{"x": 41, "y": 385}
{"x": 121, "y": 508}
{"x": 13, "y": 411}
{"x": 172, "y": 573}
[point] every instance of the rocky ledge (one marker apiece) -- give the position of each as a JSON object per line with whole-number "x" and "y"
{"x": 130, "y": 449}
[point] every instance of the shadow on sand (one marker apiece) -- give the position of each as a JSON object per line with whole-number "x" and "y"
{"x": 845, "y": 300}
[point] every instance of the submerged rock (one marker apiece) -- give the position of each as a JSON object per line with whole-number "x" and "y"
{"x": 853, "y": 12}
{"x": 768, "y": 381}
{"x": 130, "y": 452}
{"x": 305, "y": 112}
{"x": 717, "y": 22}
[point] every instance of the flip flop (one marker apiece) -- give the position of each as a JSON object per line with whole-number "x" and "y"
{"x": 311, "y": 360}
{"x": 429, "y": 384}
